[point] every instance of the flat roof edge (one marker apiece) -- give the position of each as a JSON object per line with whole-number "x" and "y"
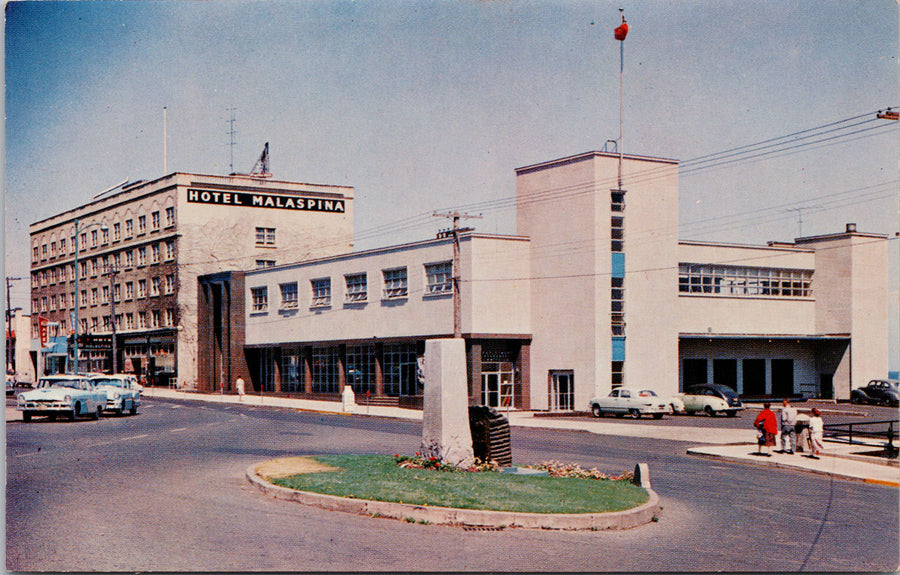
{"x": 587, "y": 156}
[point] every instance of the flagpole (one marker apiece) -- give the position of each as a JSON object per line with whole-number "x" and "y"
{"x": 621, "y": 100}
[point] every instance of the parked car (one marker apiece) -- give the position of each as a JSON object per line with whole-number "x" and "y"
{"x": 10, "y": 384}
{"x": 68, "y": 395}
{"x": 675, "y": 404}
{"x": 712, "y": 399}
{"x": 881, "y": 391}
{"x": 121, "y": 395}
{"x": 631, "y": 401}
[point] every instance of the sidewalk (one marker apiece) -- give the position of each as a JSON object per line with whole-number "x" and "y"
{"x": 839, "y": 459}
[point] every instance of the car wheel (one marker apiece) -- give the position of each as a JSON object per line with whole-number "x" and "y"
{"x": 709, "y": 411}
{"x": 657, "y": 416}
{"x": 74, "y": 413}
{"x": 595, "y": 409}
{"x": 856, "y": 399}
{"x": 133, "y": 410}
{"x": 96, "y": 415}
{"x": 634, "y": 413}
{"x": 26, "y": 416}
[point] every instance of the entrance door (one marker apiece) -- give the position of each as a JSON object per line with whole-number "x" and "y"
{"x": 496, "y": 384}
{"x": 562, "y": 391}
{"x": 754, "y": 377}
{"x": 782, "y": 377}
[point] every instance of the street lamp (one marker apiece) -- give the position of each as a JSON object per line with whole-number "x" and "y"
{"x": 78, "y": 230}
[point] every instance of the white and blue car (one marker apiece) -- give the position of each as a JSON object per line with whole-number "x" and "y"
{"x": 69, "y": 396}
{"x": 121, "y": 393}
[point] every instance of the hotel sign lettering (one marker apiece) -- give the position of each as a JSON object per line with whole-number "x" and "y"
{"x": 259, "y": 200}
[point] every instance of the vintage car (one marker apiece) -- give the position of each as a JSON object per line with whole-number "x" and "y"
{"x": 10, "y": 384}
{"x": 712, "y": 399}
{"x": 68, "y": 395}
{"x": 631, "y": 401}
{"x": 881, "y": 391}
{"x": 675, "y": 404}
{"x": 121, "y": 394}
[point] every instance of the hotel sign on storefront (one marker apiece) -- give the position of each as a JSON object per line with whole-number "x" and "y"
{"x": 258, "y": 200}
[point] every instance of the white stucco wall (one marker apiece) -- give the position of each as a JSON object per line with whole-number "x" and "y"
{"x": 488, "y": 307}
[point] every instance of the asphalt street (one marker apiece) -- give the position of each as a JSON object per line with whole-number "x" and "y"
{"x": 165, "y": 491}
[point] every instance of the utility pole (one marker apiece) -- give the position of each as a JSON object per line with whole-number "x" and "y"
{"x": 113, "y": 272}
{"x": 457, "y": 306}
{"x": 10, "y": 342}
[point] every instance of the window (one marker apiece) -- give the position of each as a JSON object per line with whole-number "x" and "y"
{"x": 83, "y": 245}
{"x": 321, "y": 292}
{"x": 129, "y": 228}
{"x": 439, "y": 278}
{"x": 117, "y": 260}
{"x": 84, "y": 269}
{"x": 361, "y": 368}
{"x": 52, "y": 249}
{"x": 83, "y": 302}
{"x": 400, "y": 369}
{"x": 95, "y": 323}
{"x": 154, "y": 286}
{"x": 129, "y": 290}
{"x": 117, "y": 292}
{"x": 142, "y": 288}
{"x": 117, "y": 231}
{"x": 104, "y": 236}
{"x": 265, "y": 264}
{"x": 52, "y": 302}
{"x": 104, "y": 296}
{"x": 142, "y": 225}
{"x": 265, "y": 236}
{"x": 62, "y": 246}
{"x": 617, "y": 234}
{"x": 170, "y": 284}
{"x": 260, "y": 298}
{"x": 170, "y": 216}
{"x": 155, "y": 318}
{"x": 35, "y": 254}
{"x": 324, "y": 369}
{"x": 94, "y": 236}
{"x": 129, "y": 321}
{"x": 129, "y": 259}
{"x": 170, "y": 250}
{"x": 291, "y": 371}
{"x": 743, "y": 281}
{"x": 617, "y": 295}
{"x": 394, "y": 283}
{"x": 142, "y": 320}
{"x": 142, "y": 256}
{"x": 357, "y": 288}
{"x": 154, "y": 220}
{"x": 62, "y": 301}
{"x": 289, "y": 295}
{"x": 170, "y": 316}
{"x": 154, "y": 253}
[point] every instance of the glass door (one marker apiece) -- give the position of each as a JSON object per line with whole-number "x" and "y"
{"x": 562, "y": 391}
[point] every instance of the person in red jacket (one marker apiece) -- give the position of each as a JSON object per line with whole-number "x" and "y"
{"x": 766, "y": 423}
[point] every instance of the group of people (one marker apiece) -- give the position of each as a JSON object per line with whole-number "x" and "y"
{"x": 793, "y": 425}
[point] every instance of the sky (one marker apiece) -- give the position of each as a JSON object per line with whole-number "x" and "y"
{"x": 427, "y": 106}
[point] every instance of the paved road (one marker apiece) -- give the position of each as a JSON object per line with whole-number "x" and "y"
{"x": 165, "y": 491}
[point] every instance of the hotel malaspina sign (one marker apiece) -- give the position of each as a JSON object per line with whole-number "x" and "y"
{"x": 261, "y": 200}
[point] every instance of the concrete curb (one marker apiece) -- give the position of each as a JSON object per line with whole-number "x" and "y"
{"x": 641, "y": 515}
{"x": 705, "y": 452}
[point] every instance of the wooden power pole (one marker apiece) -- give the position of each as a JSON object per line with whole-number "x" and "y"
{"x": 457, "y": 306}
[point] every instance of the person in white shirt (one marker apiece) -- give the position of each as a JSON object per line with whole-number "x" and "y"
{"x": 788, "y": 420}
{"x": 816, "y": 431}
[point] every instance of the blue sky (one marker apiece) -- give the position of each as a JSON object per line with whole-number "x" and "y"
{"x": 425, "y": 106}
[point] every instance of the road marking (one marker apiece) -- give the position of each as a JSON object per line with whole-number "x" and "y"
{"x": 135, "y": 437}
{"x": 180, "y": 429}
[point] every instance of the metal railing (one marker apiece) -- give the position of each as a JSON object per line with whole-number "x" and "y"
{"x": 865, "y": 430}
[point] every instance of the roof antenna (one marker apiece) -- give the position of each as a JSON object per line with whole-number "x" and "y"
{"x": 261, "y": 167}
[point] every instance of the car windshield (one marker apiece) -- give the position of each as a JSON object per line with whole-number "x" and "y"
{"x": 112, "y": 382}
{"x": 48, "y": 383}
{"x": 647, "y": 393}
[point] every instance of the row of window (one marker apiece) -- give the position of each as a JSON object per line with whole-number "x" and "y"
{"x": 150, "y": 319}
{"x": 399, "y": 368}
{"x": 97, "y": 237}
{"x": 438, "y": 281}
{"x": 155, "y": 287}
{"x": 93, "y": 267}
{"x": 743, "y": 281}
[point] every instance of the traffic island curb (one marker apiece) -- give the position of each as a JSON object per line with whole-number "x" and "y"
{"x": 426, "y": 514}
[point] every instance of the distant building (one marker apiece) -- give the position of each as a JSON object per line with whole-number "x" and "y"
{"x": 594, "y": 292}
{"x": 18, "y": 344}
{"x": 140, "y": 251}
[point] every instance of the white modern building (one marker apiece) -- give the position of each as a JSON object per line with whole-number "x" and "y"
{"x": 594, "y": 291}
{"x": 123, "y": 268}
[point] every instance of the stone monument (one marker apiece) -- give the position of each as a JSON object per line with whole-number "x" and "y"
{"x": 445, "y": 411}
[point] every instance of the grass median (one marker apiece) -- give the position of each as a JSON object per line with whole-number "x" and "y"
{"x": 377, "y": 477}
